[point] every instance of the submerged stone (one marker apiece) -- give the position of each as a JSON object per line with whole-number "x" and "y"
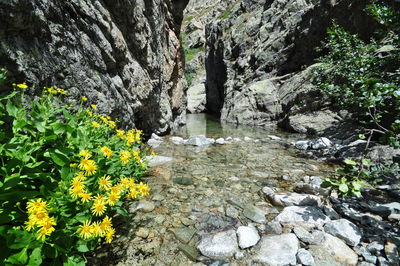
{"x": 220, "y": 246}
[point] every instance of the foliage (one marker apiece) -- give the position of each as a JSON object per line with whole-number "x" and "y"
{"x": 64, "y": 173}
{"x": 189, "y": 77}
{"x": 191, "y": 53}
{"x": 364, "y": 77}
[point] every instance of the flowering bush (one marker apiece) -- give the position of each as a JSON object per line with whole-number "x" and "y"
{"x": 64, "y": 172}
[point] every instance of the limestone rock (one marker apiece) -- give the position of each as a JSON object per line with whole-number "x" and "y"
{"x": 222, "y": 245}
{"x": 247, "y": 236}
{"x": 278, "y": 250}
{"x": 344, "y": 230}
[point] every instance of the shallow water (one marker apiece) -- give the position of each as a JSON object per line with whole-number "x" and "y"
{"x": 207, "y": 189}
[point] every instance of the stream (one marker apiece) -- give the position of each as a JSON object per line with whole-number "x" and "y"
{"x": 206, "y": 190}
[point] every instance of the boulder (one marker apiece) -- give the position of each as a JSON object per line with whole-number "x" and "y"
{"x": 308, "y": 217}
{"x": 344, "y": 230}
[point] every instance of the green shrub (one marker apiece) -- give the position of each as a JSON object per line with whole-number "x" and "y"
{"x": 64, "y": 173}
{"x": 364, "y": 77}
{"x": 191, "y": 53}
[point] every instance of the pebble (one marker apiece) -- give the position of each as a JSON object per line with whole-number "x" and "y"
{"x": 304, "y": 257}
{"x": 142, "y": 232}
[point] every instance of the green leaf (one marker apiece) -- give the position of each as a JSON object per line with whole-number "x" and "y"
{"x": 74, "y": 261}
{"x": 349, "y": 161}
{"x": 17, "y": 239}
{"x": 343, "y": 188}
{"x": 81, "y": 246}
{"x": 57, "y": 156}
{"x": 361, "y": 136}
{"x": 36, "y": 257}
{"x": 12, "y": 110}
{"x": 19, "y": 258}
{"x": 357, "y": 185}
{"x": 366, "y": 161}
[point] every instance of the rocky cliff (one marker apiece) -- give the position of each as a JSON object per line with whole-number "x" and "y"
{"x": 260, "y": 56}
{"x": 124, "y": 55}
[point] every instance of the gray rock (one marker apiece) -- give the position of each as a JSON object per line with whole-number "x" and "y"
{"x": 273, "y": 228}
{"x": 278, "y": 250}
{"x": 311, "y": 189}
{"x": 304, "y": 257}
{"x": 308, "y": 217}
{"x": 255, "y": 214}
{"x": 247, "y": 139}
{"x": 248, "y": 236}
{"x": 232, "y": 212}
{"x": 184, "y": 234}
{"x": 364, "y": 263}
{"x": 190, "y": 251}
{"x": 196, "y": 96}
{"x": 375, "y": 247}
{"x": 239, "y": 255}
{"x": 392, "y": 254}
{"x": 222, "y": 245}
{"x": 272, "y": 137}
{"x": 156, "y": 137}
{"x": 293, "y": 199}
{"x": 321, "y": 143}
{"x": 268, "y": 191}
{"x": 302, "y": 144}
{"x": 333, "y": 251}
{"x": 383, "y": 262}
{"x": 177, "y": 140}
{"x": 344, "y": 230}
{"x": 185, "y": 181}
{"x": 156, "y": 160}
{"x": 144, "y": 205}
{"x": 198, "y": 141}
{"x": 331, "y": 213}
{"x": 154, "y": 142}
{"x": 304, "y": 235}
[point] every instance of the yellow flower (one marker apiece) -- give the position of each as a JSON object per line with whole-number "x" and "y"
{"x": 39, "y": 217}
{"x": 106, "y": 224}
{"x": 136, "y": 154}
{"x": 61, "y": 91}
{"x": 125, "y": 156}
{"x": 80, "y": 176}
{"x": 116, "y": 189}
{"x": 94, "y": 107}
{"x": 133, "y": 194}
{"x": 143, "y": 189}
{"x": 85, "y": 154}
{"x": 110, "y": 235}
{"x": 85, "y": 197}
{"x": 84, "y": 98}
{"x": 76, "y": 182}
{"x": 95, "y": 124}
{"x": 38, "y": 205}
{"x": 121, "y": 133}
{"x": 107, "y": 152}
{"x": 105, "y": 183}
{"x": 113, "y": 198}
{"x": 99, "y": 199}
{"x": 85, "y": 230}
{"x": 112, "y": 124}
{"x": 72, "y": 165}
{"x": 75, "y": 192}
{"x": 29, "y": 225}
{"x": 98, "y": 208}
{"x": 22, "y": 86}
{"x": 91, "y": 169}
{"x": 97, "y": 230}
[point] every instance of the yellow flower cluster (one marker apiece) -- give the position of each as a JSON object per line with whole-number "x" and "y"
{"x": 107, "y": 152}
{"x": 39, "y": 218}
{"x": 55, "y": 91}
{"x": 87, "y": 165}
{"x": 133, "y": 136}
{"x": 97, "y": 229}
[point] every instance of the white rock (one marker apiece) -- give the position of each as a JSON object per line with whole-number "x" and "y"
{"x": 278, "y": 250}
{"x": 248, "y": 236}
{"x": 308, "y": 217}
{"x": 155, "y": 160}
{"x": 267, "y": 191}
{"x": 237, "y": 139}
{"x": 156, "y": 137}
{"x": 274, "y": 137}
{"x": 304, "y": 257}
{"x": 344, "y": 230}
{"x": 154, "y": 142}
{"x": 220, "y": 141}
{"x": 247, "y": 139}
{"x": 198, "y": 141}
{"x": 176, "y": 140}
{"x": 220, "y": 246}
{"x": 234, "y": 178}
{"x": 293, "y": 199}
{"x": 333, "y": 251}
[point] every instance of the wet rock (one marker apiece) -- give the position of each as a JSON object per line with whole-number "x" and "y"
{"x": 236, "y": 202}
{"x": 391, "y": 253}
{"x": 321, "y": 143}
{"x": 232, "y": 212}
{"x": 293, "y": 199}
{"x": 333, "y": 251}
{"x": 198, "y": 141}
{"x": 278, "y": 250}
{"x": 302, "y": 144}
{"x": 190, "y": 251}
{"x": 222, "y": 245}
{"x": 177, "y": 140}
{"x": 255, "y": 214}
{"x": 248, "y": 236}
{"x": 185, "y": 181}
{"x": 273, "y": 228}
{"x": 220, "y": 141}
{"x": 144, "y": 205}
{"x": 304, "y": 257}
{"x": 155, "y": 160}
{"x": 308, "y": 217}
{"x": 184, "y": 234}
{"x": 344, "y": 230}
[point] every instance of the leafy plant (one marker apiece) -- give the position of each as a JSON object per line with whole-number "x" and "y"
{"x": 64, "y": 173}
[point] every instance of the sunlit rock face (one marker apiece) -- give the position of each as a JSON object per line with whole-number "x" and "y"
{"x": 124, "y": 55}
